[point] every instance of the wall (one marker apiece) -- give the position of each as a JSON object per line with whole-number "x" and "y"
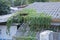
{"x": 56, "y": 36}
{"x": 4, "y": 35}
{"x": 50, "y": 35}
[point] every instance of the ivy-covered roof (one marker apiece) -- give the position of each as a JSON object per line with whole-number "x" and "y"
{"x": 50, "y": 8}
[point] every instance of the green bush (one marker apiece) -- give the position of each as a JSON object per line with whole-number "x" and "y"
{"x": 20, "y": 2}
{"x": 13, "y": 19}
{"x": 4, "y": 8}
{"x": 18, "y": 17}
{"x": 38, "y": 22}
{"x": 27, "y": 11}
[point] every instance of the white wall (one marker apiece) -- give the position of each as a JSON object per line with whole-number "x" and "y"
{"x": 46, "y": 35}
{"x": 4, "y": 35}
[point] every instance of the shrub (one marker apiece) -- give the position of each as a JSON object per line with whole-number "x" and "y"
{"x": 4, "y": 8}
{"x": 18, "y": 17}
{"x": 13, "y": 19}
{"x": 27, "y": 11}
{"x": 26, "y": 38}
{"x": 35, "y": 21}
{"x": 20, "y": 2}
{"x": 38, "y": 22}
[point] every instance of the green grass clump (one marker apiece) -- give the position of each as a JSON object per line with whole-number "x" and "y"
{"x": 38, "y": 22}
{"x": 26, "y": 11}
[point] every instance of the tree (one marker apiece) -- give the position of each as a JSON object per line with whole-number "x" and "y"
{"x": 20, "y": 2}
{"x": 4, "y": 8}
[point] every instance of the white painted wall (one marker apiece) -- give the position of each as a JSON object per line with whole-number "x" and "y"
{"x": 4, "y": 35}
{"x": 46, "y": 35}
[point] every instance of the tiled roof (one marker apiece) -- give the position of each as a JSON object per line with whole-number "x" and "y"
{"x": 4, "y": 18}
{"x": 50, "y": 8}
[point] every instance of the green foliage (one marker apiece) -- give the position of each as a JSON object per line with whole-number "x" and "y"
{"x": 27, "y": 11}
{"x": 55, "y": 0}
{"x": 18, "y": 17}
{"x": 38, "y": 22}
{"x": 9, "y": 23}
{"x": 16, "y": 3}
{"x": 26, "y": 2}
{"x": 26, "y": 38}
{"x": 32, "y": 1}
{"x": 4, "y": 8}
{"x": 20, "y": 2}
{"x": 13, "y": 19}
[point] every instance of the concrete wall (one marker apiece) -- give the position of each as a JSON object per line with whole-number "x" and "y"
{"x": 56, "y": 36}
{"x": 4, "y": 35}
{"x": 49, "y": 35}
{"x": 46, "y": 35}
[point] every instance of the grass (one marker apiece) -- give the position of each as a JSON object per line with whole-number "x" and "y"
{"x": 25, "y": 38}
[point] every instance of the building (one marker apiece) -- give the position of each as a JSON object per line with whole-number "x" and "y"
{"x": 49, "y": 8}
{"x": 3, "y": 28}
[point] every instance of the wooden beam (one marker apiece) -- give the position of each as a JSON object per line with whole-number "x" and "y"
{"x": 56, "y": 20}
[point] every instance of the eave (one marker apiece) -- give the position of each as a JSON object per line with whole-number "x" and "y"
{"x": 56, "y": 20}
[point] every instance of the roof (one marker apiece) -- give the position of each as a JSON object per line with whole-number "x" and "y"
{"x": 15, "y": 9}
{"x": 4, "y": 18}
{"x": 50, "y": 8}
